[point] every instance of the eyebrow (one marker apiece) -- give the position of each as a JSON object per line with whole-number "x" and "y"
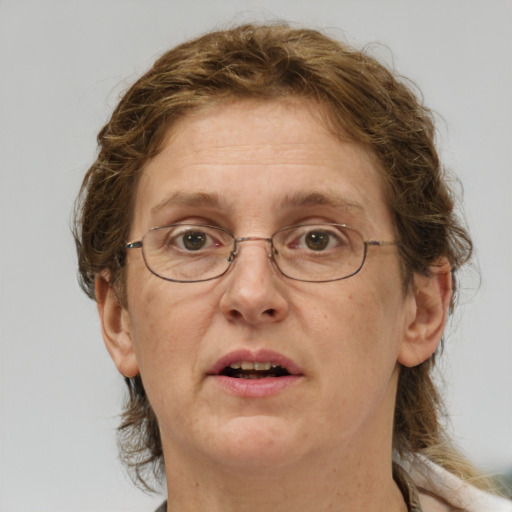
{"x": 292, "y": 200}
{"x": 302, "y": 199}
{"x": 194, "y": 199}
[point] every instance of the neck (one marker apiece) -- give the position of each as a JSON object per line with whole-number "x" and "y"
{"x": 357, "y": 482}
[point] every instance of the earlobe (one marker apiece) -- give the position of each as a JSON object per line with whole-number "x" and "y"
{"x": 115, "y": 326}
{"x": 432, "y": 295}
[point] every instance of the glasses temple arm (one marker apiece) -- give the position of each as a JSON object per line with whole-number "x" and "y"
{"x": 134, "y": 245}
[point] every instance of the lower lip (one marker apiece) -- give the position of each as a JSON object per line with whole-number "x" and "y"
{"x": 256, "y": 388}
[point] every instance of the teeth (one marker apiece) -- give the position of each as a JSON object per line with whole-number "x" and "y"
{"x": 262, "y": 366}
{"x": 249, "y": 365}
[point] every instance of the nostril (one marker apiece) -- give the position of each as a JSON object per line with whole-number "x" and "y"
{"x": 235, "y": 314}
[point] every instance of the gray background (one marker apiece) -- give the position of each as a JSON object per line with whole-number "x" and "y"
{"x": 62, "y": 67}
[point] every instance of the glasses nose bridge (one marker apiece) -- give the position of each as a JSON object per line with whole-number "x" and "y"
{"x": 237, "y": 241}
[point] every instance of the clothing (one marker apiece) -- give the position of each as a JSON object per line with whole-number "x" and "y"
{"x": 435, "y": 481}
{"x": 162, "y": 507}
{"x": 407, "y": 488}
{"x": 431, "y": 479}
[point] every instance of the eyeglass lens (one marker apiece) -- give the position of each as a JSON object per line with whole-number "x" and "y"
{"x": 309, "y": 252}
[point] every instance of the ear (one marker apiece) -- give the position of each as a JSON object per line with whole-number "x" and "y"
{"x": 115, "y": 326}
{"x": 432, "y": 295}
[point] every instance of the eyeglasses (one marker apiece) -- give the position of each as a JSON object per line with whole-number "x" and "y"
{"x": 189, "y": 253}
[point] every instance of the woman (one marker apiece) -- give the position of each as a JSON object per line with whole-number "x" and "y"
{"x": 273, "y": 249}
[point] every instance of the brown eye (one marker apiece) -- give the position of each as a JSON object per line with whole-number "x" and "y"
{"x": 194, "y": 240}
{"x": 317, "y": 240}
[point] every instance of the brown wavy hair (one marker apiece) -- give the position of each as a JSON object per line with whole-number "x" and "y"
{"x": 363, "y": 100}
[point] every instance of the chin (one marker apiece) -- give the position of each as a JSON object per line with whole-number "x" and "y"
{"x": 258, "y": 442}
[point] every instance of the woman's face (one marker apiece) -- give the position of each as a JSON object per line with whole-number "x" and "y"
{"x": 253, "y": 168}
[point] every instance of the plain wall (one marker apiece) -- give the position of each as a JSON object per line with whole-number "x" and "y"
{"x": 62, "y": 67}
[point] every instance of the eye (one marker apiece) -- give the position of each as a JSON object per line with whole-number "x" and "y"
{"x": 194, "y": 240}
{"x": 317, "y": 240}
{"x": 189, "y": 238}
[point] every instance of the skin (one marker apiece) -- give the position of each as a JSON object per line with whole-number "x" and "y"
{"x": 324, "y": 442}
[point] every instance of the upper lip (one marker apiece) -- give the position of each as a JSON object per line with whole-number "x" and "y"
{"x": 255, "y": 356}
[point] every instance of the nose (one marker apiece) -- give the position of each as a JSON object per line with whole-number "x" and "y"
{"x": 254, "y": 291}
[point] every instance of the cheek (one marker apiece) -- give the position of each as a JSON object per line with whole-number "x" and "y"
{"x": 168, "y": 323}
{"x": 357, "y": 342}
{"x": 359, "y": 332}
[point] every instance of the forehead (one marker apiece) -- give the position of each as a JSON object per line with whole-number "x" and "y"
{"x": 260, "y": 159}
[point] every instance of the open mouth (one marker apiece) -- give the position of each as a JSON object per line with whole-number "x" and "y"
{"x": 256, "y": 370}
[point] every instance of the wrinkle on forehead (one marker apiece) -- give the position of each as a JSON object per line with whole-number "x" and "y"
{"x": 203, "y": 119}
{"x": 289, "y": 200}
